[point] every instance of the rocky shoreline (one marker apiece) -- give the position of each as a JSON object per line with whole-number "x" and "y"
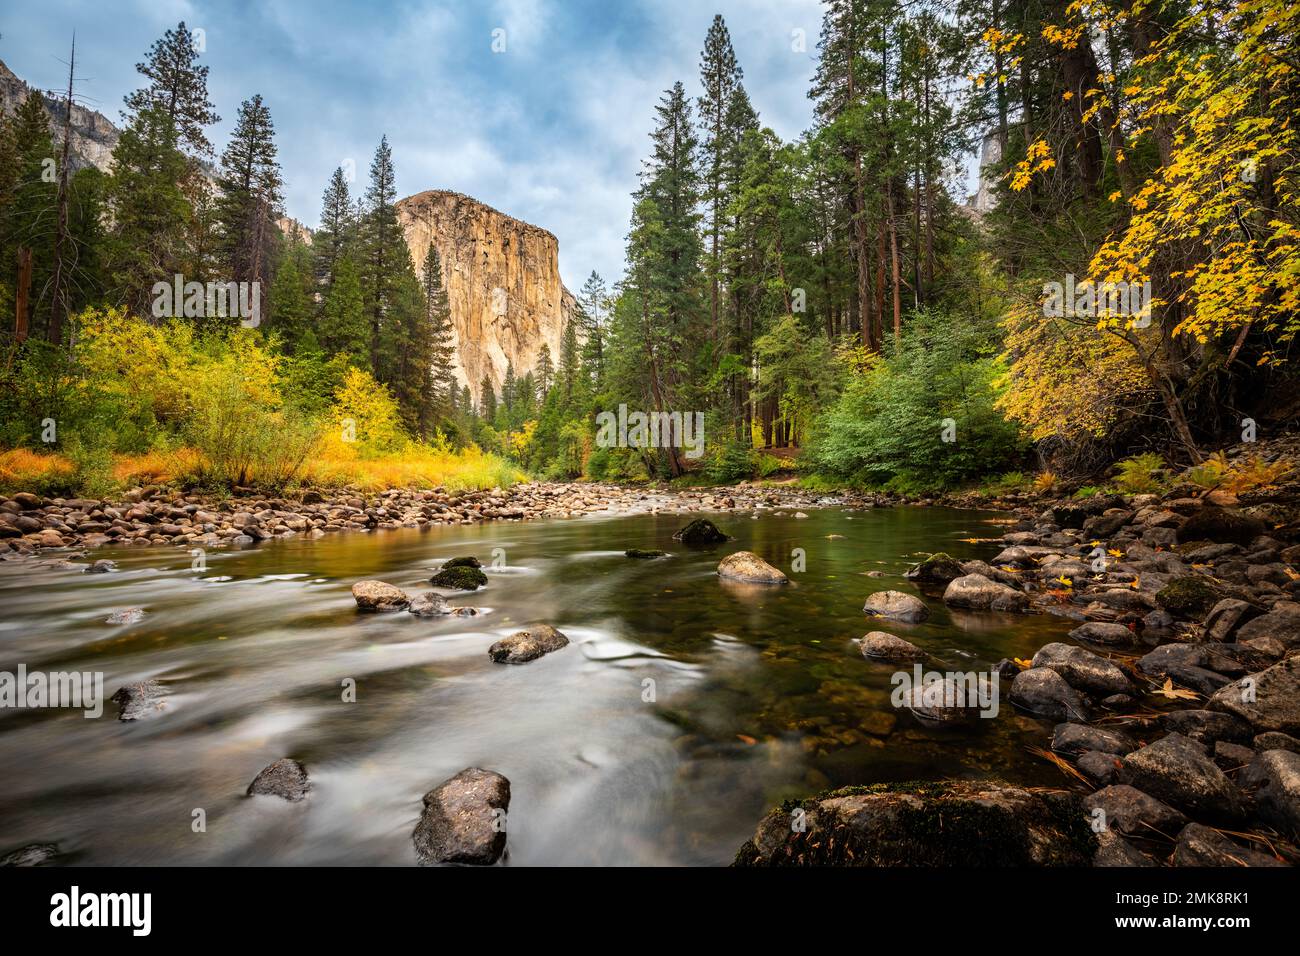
{"x": 159, "y": 517}
{"x": 1176, "y": 707}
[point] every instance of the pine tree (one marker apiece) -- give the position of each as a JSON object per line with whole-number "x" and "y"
{"x": 29, "y": 210}
{"x": 545, "y": 371}
{"x": 289, "y": 302}
{"x": 487, "y": 399}
{"x": 594, "y": 311}
{"x": 147, "y": 242}
{"x": 343, "y": 318}
{"x": 337, "y": 228}
{"x": 178, "y": 87}
{"x": 720, "y": 77}
{"x": 566, "y": 376}
{"x": 384, "y": 257}
{"x": 442, "y": 336}
{"x": 251, "y": 193}
{"x": 509, "y": 388}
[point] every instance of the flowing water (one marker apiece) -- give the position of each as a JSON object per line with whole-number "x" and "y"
{"x": 685, "y": 708}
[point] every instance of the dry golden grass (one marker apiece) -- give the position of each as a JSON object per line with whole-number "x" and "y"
{"x": 21, "y": 468}
{"x": 416, "y": 467}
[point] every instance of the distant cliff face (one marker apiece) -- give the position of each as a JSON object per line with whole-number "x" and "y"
{"x": 93, "y": 134}
{"x": 502, "y": 278}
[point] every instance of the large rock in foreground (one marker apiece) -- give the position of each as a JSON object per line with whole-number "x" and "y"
{"x": 896, "y": 606}
{"x": 979, "y": 593}
{"x": 464, "y": 820}
{"x": 1268, "y": 701}
{"x": 527, "y": 645}
{"x": 751, "y": 569}
{"x": 955, "y": 823}
{"x": 1177, "y": 771}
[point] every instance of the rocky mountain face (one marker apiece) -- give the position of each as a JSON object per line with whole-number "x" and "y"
{"x": 93, "y": 134}
{"x": 502, "y": 277}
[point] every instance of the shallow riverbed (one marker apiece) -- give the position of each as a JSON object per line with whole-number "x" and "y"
{"x": 758, "y": 694}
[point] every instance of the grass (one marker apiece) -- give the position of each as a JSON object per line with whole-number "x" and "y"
{"x": 55, "y": 475}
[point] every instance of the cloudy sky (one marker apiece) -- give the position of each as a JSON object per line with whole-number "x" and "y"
{"x": 551, "y": 130}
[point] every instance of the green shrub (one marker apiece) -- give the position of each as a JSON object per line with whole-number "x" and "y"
{"x": 1141, "y": 474}
{"x": 888, "y": 426}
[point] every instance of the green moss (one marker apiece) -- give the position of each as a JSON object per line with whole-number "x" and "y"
{"x": 468, "y": 561}
{"x": 1190, "y": 596}
{"x": 460, "y": 577}
{"x": 639, "y": 553}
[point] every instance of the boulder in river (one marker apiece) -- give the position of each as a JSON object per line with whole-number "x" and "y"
{"x": 430, "y": 604}
{"x": 34, "y": 854}
{"x": 1105, "y": 633}
{"x": 1071, "y": 738}
{"x": 643, "y": 553}
{"x": 460, "y": 577}
{"x": 952, "y": 823}
{"x": 977, "y": 592}
{"x": 464, "y": 820}
{"x": 140, "y": 699}
{"x": 749, "y": 568}
{"x": 1178, "y": 771}
{"x": 938, "y": 568}
{"x": 102, "y": 566}
{"x": 379, "y": 596}
{"x": 1083, "y": 670}
{"x": 886, "y": 647}
{"x": 896, "y": 606}
{"x": 1044, "y": 692}
{"x": 527, "y": 645}
{"x": 466, "y": 561}
{"x": 286, "y": 779}
{"x": 700, "y": 532}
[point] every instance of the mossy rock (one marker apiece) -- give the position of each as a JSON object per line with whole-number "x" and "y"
{"x": 951, "y": 823}
{"x": 469, "y": 561}
{"x": 643, "y": 554}
{"x": 699, "y": 532}
{"x": 1191, "y": 596}
{"x": 459, "y": 577}
{"x": 939, "y": 568}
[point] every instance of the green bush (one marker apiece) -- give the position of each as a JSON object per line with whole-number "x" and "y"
{"x": 888, "y": 427}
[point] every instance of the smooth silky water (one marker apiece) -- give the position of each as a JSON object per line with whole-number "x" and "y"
{"x": 759, "y": 694}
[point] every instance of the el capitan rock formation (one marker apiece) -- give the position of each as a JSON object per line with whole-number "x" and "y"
{"x": 502, "y": 277}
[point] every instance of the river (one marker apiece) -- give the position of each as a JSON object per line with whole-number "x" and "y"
{"x": 685, "y": 708}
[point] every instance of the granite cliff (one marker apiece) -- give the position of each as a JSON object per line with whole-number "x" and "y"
{"x": 502, "y": 277}
{"x": 93, "y": 133}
